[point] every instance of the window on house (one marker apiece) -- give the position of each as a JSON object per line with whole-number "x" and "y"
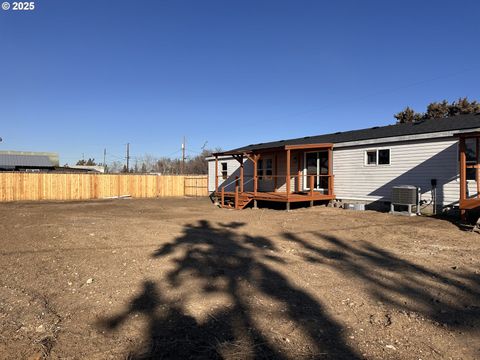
{"x": 377, "y": 157}
{"x": 264, "y": 169}
{"x": 224, "y": 170}
{"x": 268, "y": 168}
{"x": 471, "y": 150}
{"x": 371, "y": 157}
{"x": 260, "y": 169}
{"x": 384, "y": 157}
{"x": 472, "y": 174}
{"x": 471, "y": 155}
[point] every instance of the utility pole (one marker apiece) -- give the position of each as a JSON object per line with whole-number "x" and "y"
{"x": 128, "y": 157}
{"x": 183, "y": 156}
{"x": 105, "y": 160}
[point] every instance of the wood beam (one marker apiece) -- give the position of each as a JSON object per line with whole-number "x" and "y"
{"x": 299, "y": 170}
{"x": 236, "y": 193}
{"x": 287, "y": 171}
{"x": 463, "y": 176}
{"x": 275, "y": 172}
{"x": 255, "y": 178}
{"x": 216, "y": 173}
{"x": 330, "y": 171}
{"x": 309, "y": 146}
{"x": 477, "y": 178}
{"x": 241, "y": 173}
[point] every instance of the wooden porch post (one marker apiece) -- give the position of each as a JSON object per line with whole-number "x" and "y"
{"x": 216, "y": 173}
{"x": 241, "y": 173}
{"x": 255, "y": 177}
{"x": 330, "y": 171}
{"x": 463, "y": 177}
{"x": 275, "y": 172}
{"x": 477, "y": 177}
{"x": 236, "y": 192}
{"x": 299, "y": 173}
{"x": 288, "y": 174}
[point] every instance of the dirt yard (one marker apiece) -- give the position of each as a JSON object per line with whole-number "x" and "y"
{"x": 181, "y": 279}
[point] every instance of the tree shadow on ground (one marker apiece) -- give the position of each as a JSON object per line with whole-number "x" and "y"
{"x": 450, "y": 296}
{"x": 221, "y": 260}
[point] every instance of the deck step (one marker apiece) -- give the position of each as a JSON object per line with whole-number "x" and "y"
{"x": 229, "y": 201}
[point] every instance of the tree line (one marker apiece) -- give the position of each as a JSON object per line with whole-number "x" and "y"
{"x": 439, "y": 110}
{"x": 145, "y": 164}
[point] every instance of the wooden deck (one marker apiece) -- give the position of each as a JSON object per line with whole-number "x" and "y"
{"x": 247, "y": 196}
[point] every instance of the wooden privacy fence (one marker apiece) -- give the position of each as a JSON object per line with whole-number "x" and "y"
{"x": 196, "y": 185}
{"x": 17, "y": 186}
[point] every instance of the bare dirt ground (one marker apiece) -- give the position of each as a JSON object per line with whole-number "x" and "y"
{"x": 181, "y": 279}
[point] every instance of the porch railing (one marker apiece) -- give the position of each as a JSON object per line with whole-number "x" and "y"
{"x": 299, "y": 181}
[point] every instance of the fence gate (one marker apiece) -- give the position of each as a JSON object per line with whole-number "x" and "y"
{"x": 196, "y": 185}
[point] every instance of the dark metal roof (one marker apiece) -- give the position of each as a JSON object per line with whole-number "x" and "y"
{"x": 459, "y": 122}
{"x": 14, "y": 160}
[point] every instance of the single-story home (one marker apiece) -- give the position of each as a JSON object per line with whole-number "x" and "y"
{"x": 440, "y": 156}
{"x": 28, "y": 161}
{"x": 44, "y": 162}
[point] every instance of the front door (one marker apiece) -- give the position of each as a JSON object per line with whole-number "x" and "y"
{"x": 316, "y": 164}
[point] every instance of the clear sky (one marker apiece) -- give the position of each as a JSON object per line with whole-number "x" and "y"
{"x": 78, "y": 76}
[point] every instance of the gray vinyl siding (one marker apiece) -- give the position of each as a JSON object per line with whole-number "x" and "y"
{"x": 233, "y": 170}
{"x": 412, "y": 163}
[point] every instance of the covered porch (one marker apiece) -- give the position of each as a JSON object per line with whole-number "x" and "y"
{"x": 469, "y": 145}
{"x": 289, "y": 173}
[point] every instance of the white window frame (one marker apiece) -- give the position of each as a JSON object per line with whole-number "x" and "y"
{"x": 224, "y": 177}
{"x": 263, "y": 169}
{"x": 365, "y": 160}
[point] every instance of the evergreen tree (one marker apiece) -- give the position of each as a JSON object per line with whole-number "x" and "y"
{"x": 438, "y": 110}
{"x": 407, "y": 116}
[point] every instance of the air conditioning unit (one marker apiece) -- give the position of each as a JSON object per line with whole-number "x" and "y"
{"x": 406, "y": 195}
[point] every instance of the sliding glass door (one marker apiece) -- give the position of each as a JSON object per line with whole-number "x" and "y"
{"x": 316, "y": 164}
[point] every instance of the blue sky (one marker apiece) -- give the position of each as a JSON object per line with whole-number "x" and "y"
{"x": 78, "y": 76}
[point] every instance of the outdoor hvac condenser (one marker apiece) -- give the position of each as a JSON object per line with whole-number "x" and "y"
{"x": 405, "y": 195}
